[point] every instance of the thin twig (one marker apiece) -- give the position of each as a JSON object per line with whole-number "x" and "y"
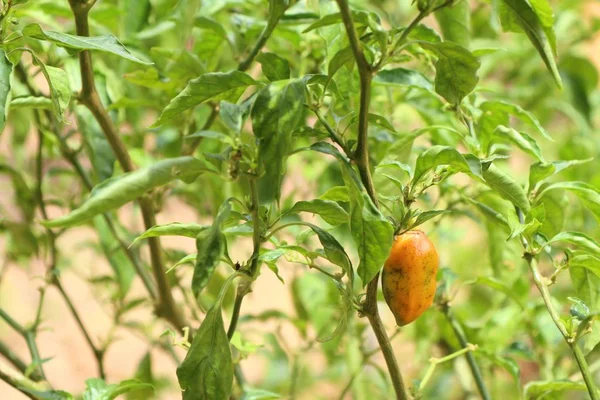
{"x": 361, "y": 158}
{"x": 20, "y": 382}
{"x": 166, "y": 307}
{"x": 462, "y": 339}
{"x": 542, "y": 284}
{"x": 29, "y": 337}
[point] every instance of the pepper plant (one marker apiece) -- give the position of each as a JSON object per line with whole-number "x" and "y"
{"x": 303, "y": 136}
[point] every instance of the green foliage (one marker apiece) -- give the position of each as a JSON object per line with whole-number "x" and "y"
{"x": 301, "y": 136}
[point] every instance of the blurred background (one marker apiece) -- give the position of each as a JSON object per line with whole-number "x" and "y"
{"x": 279, "y": 353}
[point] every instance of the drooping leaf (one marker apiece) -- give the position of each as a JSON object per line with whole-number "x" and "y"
{"x": 333, "y": 249}
{"x": 119, "y": 191}
{"x": 425, "y": 216}
{"x": 213, "y": 86}
{"x": 521, "y": 13}
{"x": 442, "y": 155}
{"x": 455, "y": 22}
{"x": 539, "y": 171}
{"x": 359, "y": 17}
{"x": 121, "y": 265}
{"x": 372, "y": 232}
{"x": 589, "y": 195}
{"x": 273, "y": 66}
{"x": 190, "y": 230}
{"x": 96, "y": 145}
{"x": 58, "y": 81}
{"x": 521, "y": 139}
{"x": 539, "y": 389}
{"x": 210, "y": 245}
{"x": 456, "y": 70}
{"x": 97, "y": 389}
{"x": 330, "y": 211}
{"x": 506, "y": 187}
{"x": 106, "y": 43}
{"x": 402, "y": 77}
{"x": 579, "y": 239}
{"x": 277, "y": 111}
{"x": 206, "y": 373}
{"x": 6, "y": 68}
{"x": 585, "y": 282}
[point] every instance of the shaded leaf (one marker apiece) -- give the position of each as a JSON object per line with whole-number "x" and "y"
{"x": 214, "y": 86}
{"x": 119, "y": 191}
{"x": 106, "y": 43}
{"x": 274, "y": 67}
{"x": 456, "y": 70}
{"x": 330, "y": 211}
{"x": 206, "y": 373}
{"x": 506, "y": 187}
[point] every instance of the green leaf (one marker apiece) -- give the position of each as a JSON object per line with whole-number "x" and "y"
{"x": 442, "y": 155}
{"x": 190, "y": 230}
{"x": 333, "y": 249}
{"x": 540, "y": 389}
{"x": 359, "y": 17}
{"x": 372, "y": 232}
{"x": 106, "y": 43}
{"x": 539, "y": 171}
{"x": 234, "y": 115}
{"x": 489, "y": 212}
{"x": 206, "y": 373}
{"x": 339, "y": 59}
{"x": 330, "y": 211}
{"x": 212, "y": 86}
{"x": 455, "y": 22}
{"x": 210, "y": 245}
{"x": 96, "y": 146}
{"x": 581, "y": 240}
{"x": 498, "y": 285}
{"x": 118, "y": 260}
{"x": 336, "y": 193}
{"x": 425, "y": 216}
{"x": 97, "y": 389}
{"x": 542, "y": 38}
{"x": 119, "y": 191}
{"x": 586, "y": 261}
{"x": 212, "y": 135}
{"x": 275, "y": 68}
{"x": 259, "y": 394}
{"x": 585, "y": 282}
{"x": 6, "y": 68}
{"x": 58, "y": 81}
{"x": 588, "y": 194}
{"x": 278, "y": 110}
{"x": 39, "y": 102}
{"x": 456, "y": 70}
{"x": 521, "y": 139}
{"x": 499, "y": 111}
{"x": 402, "y": 77}
{"x": 506, "y": 187}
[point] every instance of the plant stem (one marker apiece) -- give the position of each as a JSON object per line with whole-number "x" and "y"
{"x": 542, "y": 285}
{"x": 29, "y": 336}
{"x": 235, "y": 315}
{"x": 71, "y": 157}
{"x": 20, "y": 382}
{"x": 15, "y": 360}
{"x": 468, "y": 349}
{"x": 361, "y": 158}
{"x": 462, "y": 339}
{"x": 332, "y": 134}
{"x": 166, "y": 307}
